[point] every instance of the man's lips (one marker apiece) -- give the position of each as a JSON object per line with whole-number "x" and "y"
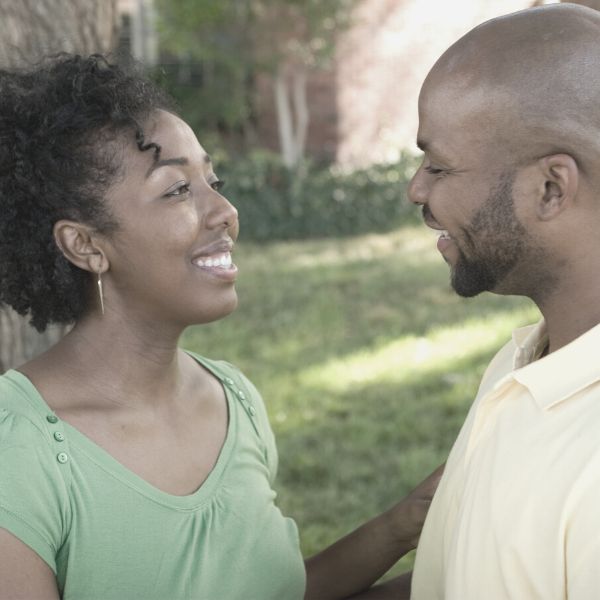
{"x": 444, "y": 239}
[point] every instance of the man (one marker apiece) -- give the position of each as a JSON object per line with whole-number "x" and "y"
{"x": 510, "y": 129}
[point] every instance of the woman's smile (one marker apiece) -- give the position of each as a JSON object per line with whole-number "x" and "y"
{"x": 219, "y": 265}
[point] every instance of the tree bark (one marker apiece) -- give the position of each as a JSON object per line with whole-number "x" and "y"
{"x": 29, "y": 30}
{"x": 293, "y": 115}
{"x": 299, "y": 86}
{"x": 285, "y": 124}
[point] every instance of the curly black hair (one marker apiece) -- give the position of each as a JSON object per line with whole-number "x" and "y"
{"x": 56, "y": 121}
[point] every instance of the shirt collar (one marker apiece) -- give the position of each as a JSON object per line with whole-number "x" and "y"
{"x": 530, "y": 342}
{"x": 560, "y": 374}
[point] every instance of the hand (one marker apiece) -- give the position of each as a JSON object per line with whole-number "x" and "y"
{"x": 353, "y": 564}
{"x": 409, "y": 514}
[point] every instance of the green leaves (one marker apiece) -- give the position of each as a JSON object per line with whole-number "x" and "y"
{"x": 214, "y": 51}
{"x": 277, "y": 203}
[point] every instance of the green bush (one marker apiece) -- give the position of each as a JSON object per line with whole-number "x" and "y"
{"x": 315, "y": 201}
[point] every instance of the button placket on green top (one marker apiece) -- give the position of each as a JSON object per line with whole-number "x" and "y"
{"x": 243, "y": 400}
{"x": 58, "y": 437}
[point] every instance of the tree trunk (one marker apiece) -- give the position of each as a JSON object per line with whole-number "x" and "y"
{"x": 299, "y": 85}
{"x": 29, "y": 30}
{"x": 292, "y": 112}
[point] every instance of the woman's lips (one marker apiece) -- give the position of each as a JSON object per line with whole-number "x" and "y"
{"x": 218, "y": 264}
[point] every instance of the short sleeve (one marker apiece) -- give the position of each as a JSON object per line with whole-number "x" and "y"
{"x": 33, "y": 494}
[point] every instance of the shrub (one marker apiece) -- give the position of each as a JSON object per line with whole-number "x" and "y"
{"x": 315, "y": 201}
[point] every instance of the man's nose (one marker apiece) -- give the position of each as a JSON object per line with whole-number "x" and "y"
{"x": 417, "y": 188}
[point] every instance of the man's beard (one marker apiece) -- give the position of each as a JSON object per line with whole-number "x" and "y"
{"x": 495, "y": 240}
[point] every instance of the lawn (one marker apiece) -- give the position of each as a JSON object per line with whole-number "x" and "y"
{"x": 367, "y": 362}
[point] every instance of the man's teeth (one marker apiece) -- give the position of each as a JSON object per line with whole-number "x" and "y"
{"x": 219, "y": 260}
{"x": 445, "y": 235}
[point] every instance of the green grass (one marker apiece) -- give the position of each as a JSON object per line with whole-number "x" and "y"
{"x": 367, "y": 361}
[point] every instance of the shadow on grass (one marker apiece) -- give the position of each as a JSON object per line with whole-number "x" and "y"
{"x": 370, "y": 446}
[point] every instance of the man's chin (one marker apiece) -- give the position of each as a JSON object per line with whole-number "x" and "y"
{"x": 470, "y": 282}
{"x": 467, "y": 292}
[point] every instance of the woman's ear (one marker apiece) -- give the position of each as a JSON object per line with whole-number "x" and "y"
{"x": 80, "y": 245}
{"x": 560, "y": 181}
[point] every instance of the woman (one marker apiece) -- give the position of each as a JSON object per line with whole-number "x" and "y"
{"x": 130, "y": 468}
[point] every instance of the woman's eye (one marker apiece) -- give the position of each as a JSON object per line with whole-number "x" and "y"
{"x": 217, "y": 185}
{"x": 180, "y": 190}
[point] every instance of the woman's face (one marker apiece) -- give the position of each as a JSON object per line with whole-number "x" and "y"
{"x": 170, "y": 258}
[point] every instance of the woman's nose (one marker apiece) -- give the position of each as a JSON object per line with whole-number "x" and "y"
{"x": 223, "y": 214}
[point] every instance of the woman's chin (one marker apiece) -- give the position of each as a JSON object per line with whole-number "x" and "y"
{"x": 218, "y": 313}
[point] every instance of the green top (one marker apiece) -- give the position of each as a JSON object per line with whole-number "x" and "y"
{"x": 108, "y": 534}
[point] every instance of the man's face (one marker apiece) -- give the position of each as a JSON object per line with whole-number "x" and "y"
{"x": 491, "y": 245}
{"x": 465, "y": 187}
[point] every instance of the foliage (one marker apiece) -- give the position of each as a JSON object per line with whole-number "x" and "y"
{"x": 219, "y": 46}
{"x": 208, "y": 72}
{"x": 314, "y": 201}
{"x": 301, "y": 31}
{"x": 367, "y": 362}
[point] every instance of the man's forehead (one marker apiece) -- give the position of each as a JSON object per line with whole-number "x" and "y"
{"x": 449, "y": 105}
{"x": 458, "y": 128}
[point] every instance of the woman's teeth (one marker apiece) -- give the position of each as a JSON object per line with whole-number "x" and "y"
{"x": 219, "y": 260}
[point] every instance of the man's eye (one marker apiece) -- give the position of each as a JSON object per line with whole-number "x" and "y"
{"x": 217, "y": 185}
{"x": 179, "y": 190}
{"x": 434, "y": 171}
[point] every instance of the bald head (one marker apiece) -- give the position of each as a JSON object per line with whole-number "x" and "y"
{"x": 532, "y": 78}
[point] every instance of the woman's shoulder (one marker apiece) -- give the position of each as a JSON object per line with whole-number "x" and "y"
{"x": 250, "y": 398}
{"x": 227, "y": 372}
{"x": 34, "y": 479}
{"x": 22, "y": 411}
{"x": 219, "y": 365}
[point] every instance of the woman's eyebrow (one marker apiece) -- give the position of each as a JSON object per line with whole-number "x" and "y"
{"x": 163, "y": 162}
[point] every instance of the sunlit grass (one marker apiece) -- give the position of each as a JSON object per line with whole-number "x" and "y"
{"x": 367, "y": 362}
{"x": 411, "y": 358}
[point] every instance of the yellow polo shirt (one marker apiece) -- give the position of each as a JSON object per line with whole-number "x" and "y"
{"x": 517, "y": 513}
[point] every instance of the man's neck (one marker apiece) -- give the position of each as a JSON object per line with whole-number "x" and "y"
{"x": 569, "y": 316}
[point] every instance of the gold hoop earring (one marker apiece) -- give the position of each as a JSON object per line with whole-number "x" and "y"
{"x": 100, "y": 293}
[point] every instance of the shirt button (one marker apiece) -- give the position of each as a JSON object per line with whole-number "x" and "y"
{"x": 252, "y": 411}
{"x": 59, "y": 437}
{"x": 52, "y": 419}
{"x": 241, "y": 394}
{"x": 62, "y": 458}
{"x": 229, "y": 381}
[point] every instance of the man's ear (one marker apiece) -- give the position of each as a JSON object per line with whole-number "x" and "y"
{"x": 560, "y": 181}
{"x": 79, "y": 244}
